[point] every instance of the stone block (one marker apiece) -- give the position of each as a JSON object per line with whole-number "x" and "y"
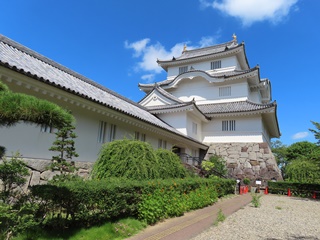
{"x": 263, "y": 145}
{"x": 242, "y": 160}
{"x": 48, "y": 175}
{"x": 244, "y": 155}
{"x": 256, "y": 148}
{"x": 35, "y": 178}
{"x": 252, "y": 156}
{"x": 244, "y": 149}
{"x": 254, "y": 163}
{"x": 37, "y": 164}
{"x": 247, "y": 165}
{"x": 256, "y": 169}
{"x": 232, "y": 165}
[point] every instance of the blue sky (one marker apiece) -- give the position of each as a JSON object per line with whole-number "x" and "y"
{"x": 117, "y": 42}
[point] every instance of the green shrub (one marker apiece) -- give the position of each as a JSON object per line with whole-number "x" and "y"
{"x": 256, "y": 200}
{"x": 170, "y": 165}
{"x": 215, "y": 166}
{"x": 296, "y": 188}
{"x": 91, "y": 202}
{"x": 126, "y": 159}
{"x": 246, "y": 181}
{"x": 12, "y": 175}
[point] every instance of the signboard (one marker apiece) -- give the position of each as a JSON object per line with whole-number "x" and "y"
{"x": 258, "y": 182}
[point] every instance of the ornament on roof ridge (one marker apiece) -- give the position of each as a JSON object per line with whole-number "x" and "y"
{"x": 234, "y": 36}
{"x": 184, "y": 48}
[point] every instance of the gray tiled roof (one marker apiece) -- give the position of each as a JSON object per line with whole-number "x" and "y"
{"x": 234, "y": 107}
{"x": 218, "y": 108}
{"x": 23, "y": 60}
{"x": 163, "y": 93}
{"x": 225, "y": 75}
{"x": 203, "y": 51}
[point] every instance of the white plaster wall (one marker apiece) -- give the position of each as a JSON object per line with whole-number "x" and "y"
{"x": 248, "y": 129}
{"x": 204, "y": 66}
{"x": 190, "y": 120}
{"x": 178, "y": 120}
{"x": 254, "y": 96}
{"x": 202, "y": 91}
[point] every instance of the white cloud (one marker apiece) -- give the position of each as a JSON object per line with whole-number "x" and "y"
{"x": 148, "y": 53}
{"x": 250, "y": 11}
{"x": 300, "y": 135}
{"x": 148, "y": 78}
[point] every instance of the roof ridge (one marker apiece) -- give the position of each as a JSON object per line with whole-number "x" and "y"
{"x": 59, "y": 66}
{"x": 213, "y": 46}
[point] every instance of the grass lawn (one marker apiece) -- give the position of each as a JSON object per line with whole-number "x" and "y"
{"x": 117, "y": 231}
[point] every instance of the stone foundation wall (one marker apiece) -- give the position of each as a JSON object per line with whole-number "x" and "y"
{"x": 247, "y": 160}
{"x": 40, "y": 174}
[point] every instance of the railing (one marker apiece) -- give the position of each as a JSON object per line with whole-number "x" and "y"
{"x": 186, "y": 158}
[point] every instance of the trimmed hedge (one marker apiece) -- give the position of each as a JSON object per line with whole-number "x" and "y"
{"x": 85, "y": 203}
{"x": 296, "y": 188}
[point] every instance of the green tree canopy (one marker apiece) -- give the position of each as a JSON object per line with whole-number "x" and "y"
{"x": 316, "y": 131}
{"x": 302, "y": 149}
{"x": 303, "y": 170}
{"x": 15, "y": 107}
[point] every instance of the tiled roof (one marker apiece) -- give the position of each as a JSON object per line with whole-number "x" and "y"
{"x": 225, "y": 75}
{"x": 169, "y": 107}
{"x": 234, "y": 107}
{"x": 163, "y": 93}
{"x": 218, "y": 108}
{"x": 203, "y": 51}
{"x": 23, "y": 60}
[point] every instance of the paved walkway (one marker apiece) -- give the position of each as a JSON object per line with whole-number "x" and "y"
{"x": 192, "y": 223}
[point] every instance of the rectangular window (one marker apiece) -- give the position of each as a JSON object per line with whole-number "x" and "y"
{"x": 229, "y": 125}
{"x": 136, "y": 135}
{"x": 112, "y": 135}
{"x": 143, "y": 137}
{"x": 224, "y": 91}
{"x": 183, "y": 69}
{"x": 47, "y": 129}
{"x": 215, "y": 65}
{"x": 162, "y": 144}
{"x": 102, "y": 132}
{"x": 194, "y": 128}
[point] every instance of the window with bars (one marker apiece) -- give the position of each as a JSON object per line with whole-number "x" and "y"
{"x": 102, "y": 132}
{"x": 140, "y": 136}
{"x": 136, "y": 135}
{"x": 183, "y": 69}
{"x": 229, "y": 125}
{"x": 224, "y": 91}
{"x": 215, "y": 64}
{"x": 162, "y": 144}
{"x": 112, "y": 135}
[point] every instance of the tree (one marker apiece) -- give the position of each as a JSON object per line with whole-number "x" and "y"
{"x": 302, "y": 149}
{"x": 303, "y": 170}
{"x": 64, "y": 145}
{"x": 15, "y": 107}
{"x": 316, "y": 132}
{"x": 280, "y": 152}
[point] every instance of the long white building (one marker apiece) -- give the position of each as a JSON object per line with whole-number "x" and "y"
{"x": 212, "y": 102}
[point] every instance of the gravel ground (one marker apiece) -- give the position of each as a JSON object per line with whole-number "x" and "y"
{"x": 278, "y": 217}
